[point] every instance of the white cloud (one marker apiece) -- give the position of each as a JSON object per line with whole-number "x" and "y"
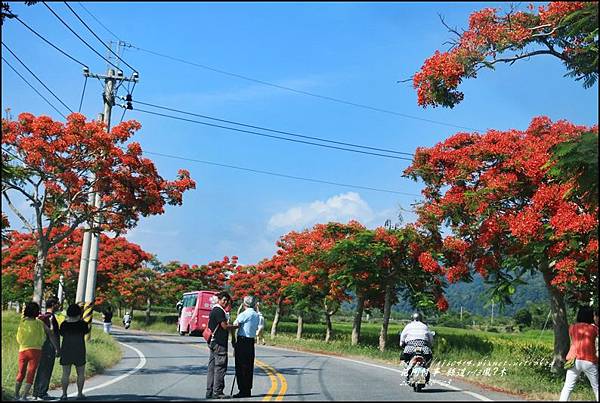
{"x": 341, "y": 208}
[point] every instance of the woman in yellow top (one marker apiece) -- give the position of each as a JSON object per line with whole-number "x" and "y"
{"x": 31, "y": 335}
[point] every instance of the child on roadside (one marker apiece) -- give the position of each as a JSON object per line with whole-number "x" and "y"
{"x": 31, "y": 335}
{"x": 73, "y": 331}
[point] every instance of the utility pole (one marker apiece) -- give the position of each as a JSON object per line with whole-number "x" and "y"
{"x": 492, "y": 321}
{"x": 461, "y": 310}
{"x": 86, "y": 283}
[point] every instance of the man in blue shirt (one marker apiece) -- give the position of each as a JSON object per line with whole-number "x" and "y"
{"x": 244, "y": 346}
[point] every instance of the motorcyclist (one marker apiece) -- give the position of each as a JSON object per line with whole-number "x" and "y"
{"x": 416, "y": 334}
{"x": 127, "y": 320}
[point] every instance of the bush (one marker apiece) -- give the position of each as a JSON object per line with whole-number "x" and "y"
{"x": 451, "y": 322}
{"x": 523, "y": 317}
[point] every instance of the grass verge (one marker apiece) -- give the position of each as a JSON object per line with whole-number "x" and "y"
{"x": 516, "y": 363}
{"x": 102, "y": 352}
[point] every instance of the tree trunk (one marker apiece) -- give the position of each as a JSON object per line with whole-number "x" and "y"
{"x": 276, "y": 318}
{"x": 148, "y": 306}
{"x": 360, "y": 303}
{"x": 329, "y": 326}
{"x": 38, "y": 271}
{"x": 386, "y": 317}
{"x": 300, "y": 327}
{"x": 329, "y": 329}
{"x": 559, "y": 320}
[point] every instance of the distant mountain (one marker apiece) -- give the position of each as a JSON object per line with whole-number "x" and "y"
{"x": 472, "y": 297}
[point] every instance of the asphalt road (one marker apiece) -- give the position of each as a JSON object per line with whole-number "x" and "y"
{"x": 172, "y": 367}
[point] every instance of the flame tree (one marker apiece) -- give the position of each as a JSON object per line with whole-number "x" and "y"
{"x": 567, "y": 31}
{"x": 508, "y": 215}
{"x": 50, "y": 164}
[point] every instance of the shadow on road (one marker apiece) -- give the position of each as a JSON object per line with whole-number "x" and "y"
{"x": 145, "y": 339}
{"x": 137, "y": 398}
{"x": 428, "y": 390}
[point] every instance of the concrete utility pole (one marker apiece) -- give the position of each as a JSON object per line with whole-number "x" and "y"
{"x": 86, "y": 283}
{"x": 60, "y": 289}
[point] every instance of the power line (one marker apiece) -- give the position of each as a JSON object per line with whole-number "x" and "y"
{"x": 36, "y": 77}
{"x": 279, "y": 175}
{"x": 97, "y": 37}
{"x": 50, "y": 43}
{"x": 80, "y": 38}
{"x": 33, "y": 88}
{"x": 97, "y": 20}
{"x": 273, "y": 130}
{"x": 303, "y": 92}
{"x": 271, "y": 136}
{"x": 203, "y": 66}
{"x": 280, "y": 86}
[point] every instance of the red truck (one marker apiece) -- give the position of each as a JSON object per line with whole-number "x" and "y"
{"x": 195, "y": 308}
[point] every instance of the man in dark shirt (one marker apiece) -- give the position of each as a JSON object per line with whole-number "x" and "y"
{"x": 44, "y": 372}
{"x": 217, "y": 361}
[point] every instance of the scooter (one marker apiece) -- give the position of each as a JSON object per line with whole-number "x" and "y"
{"x": 127, "y": 321}
{"x": 419, "y": 374}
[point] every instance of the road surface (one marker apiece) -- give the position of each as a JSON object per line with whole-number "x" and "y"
{"x": 172, "y": 367}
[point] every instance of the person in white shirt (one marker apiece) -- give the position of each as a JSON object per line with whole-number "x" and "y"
{"x": 261, "y": 326}
{"x": 244, "y": 353}
{"x": 127, "y": 320}
{"x": 416, "y": 334}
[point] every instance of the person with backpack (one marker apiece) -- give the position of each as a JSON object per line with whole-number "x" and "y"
{"x": 44, "y": 372}
{"x": 31, "y": 335}
{"x": 218, "y": 324}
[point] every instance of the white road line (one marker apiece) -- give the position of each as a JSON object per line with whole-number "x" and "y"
{"x": 117, "y": 379}
{"x": 444, "y": 384}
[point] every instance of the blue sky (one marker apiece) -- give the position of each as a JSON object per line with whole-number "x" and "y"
{"x": 351, "y": 51}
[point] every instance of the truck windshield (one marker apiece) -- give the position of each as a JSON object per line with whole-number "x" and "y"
{"x": 190, "y": 300}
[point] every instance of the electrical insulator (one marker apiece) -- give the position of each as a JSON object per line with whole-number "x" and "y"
{"x": 129, "y": 101}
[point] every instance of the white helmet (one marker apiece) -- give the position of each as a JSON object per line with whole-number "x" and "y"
{"x": 417, "y": 316}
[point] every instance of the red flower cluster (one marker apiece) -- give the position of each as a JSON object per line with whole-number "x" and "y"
{"x": 500, "y": 201}
{"x": 428, "y": 263}
{"x": 488, "y": 34}
{"x": 442, "y": 303}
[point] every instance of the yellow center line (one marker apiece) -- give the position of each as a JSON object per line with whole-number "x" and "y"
{"x": 283, "y": 386}
{"x": 269, "y": 371}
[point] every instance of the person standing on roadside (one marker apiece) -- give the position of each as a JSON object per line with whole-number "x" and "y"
{"x": 261, "y": 326}
{"x": 72, "y": 350}
{"x": 217, "y": 344}
{"x": 244, "y": 353}
{"x": 583, "y": 335}
{"x": 31, "y": 335}
{"x": 44, "y": 372}
{"x": 107, "y": 315}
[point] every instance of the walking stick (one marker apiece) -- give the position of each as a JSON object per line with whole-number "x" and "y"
{"x": 232, "y": 385}
{"x": 234, "y": 374}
